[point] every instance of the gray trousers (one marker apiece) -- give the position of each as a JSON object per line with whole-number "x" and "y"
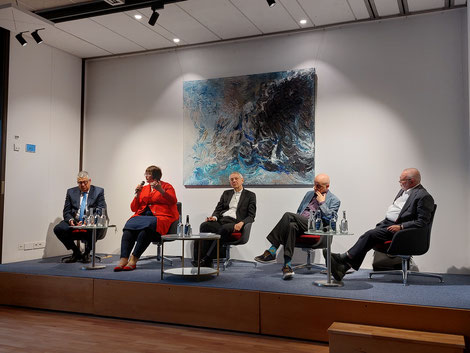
{"x": 289, "y": 227}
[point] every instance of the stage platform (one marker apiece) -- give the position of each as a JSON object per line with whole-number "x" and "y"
{"x": 242, "y": 298}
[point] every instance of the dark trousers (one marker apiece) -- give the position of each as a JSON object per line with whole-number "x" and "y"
{"x": 289, "y": 227}
{"x": 141, "y": 238}
{"x": 224, "y": 227}
{"x": 68, "y": 235}
{"x": 368, "y": 241}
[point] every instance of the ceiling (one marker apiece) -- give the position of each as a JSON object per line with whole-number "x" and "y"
{"x": 197, "y": 21}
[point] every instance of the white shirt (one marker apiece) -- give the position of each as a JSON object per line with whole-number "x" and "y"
{"x": 232, "y": 211}
{"x": 394, "y": 209}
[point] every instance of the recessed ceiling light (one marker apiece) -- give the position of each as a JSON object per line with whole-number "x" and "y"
{"x": 302, "y": 22}
{"x": 176, "y": 40}
{"x": 138, "y": 17}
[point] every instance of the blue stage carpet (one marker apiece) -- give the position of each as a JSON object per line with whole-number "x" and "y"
{"x": 453, "y": 293}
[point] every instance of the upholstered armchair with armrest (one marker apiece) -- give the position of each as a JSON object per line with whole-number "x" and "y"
{"x": 172, "y": 230}
{"x": 308, "y": 243}
{"x": 99, "y": 235}
{"x": 241, "y": 238}
{"x": 405, "y": 244}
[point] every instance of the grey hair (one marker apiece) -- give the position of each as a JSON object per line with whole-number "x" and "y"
{"x": 83, "y": 174}
{"x": 240, "y": 174}
{"x": 413, "y": 173}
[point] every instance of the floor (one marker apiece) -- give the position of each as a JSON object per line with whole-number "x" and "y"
{"x": 28, "y": 330}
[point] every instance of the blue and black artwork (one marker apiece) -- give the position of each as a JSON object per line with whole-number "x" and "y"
{"x": 261, "y": 125}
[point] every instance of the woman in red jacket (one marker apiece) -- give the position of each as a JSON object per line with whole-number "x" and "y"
{"x": 154, "y": 207}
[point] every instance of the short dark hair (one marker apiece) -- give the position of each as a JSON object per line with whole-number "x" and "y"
{"x": 155, "y": 171}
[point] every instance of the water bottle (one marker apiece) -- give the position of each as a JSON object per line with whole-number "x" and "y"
{"x": 343, "y": 226}
{"x": 311, "y": 222}
{"x": 187, "y": 227}
{"x": 333, "y": 222}
{"x": 102, "y": 218}
{"x": 318, "y": 220}
{"x": 180, "y": 228}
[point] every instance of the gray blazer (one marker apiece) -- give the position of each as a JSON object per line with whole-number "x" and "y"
{"x": 330, "y": 206}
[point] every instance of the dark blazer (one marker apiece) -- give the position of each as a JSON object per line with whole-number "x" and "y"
{"x": 416, "y": 212}
{"x": 95, "y": 199}
{"x": 246, "y": 209}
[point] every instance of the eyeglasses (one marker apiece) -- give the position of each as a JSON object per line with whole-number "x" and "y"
{"x": 83, "y": 182}
{"x": 404, "y": 180}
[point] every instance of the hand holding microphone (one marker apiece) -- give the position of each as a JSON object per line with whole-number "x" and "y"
{"x": 139, "y": 187}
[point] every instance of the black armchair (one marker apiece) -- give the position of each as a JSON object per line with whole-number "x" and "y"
{"x": 172, "y": 230}
{"x": 242, "y": 238}
{"x": 308, "y": 243}
{"x": 405, "y": 244}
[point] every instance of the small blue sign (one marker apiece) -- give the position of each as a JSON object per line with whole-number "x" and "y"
{"x": 30, "y": 148}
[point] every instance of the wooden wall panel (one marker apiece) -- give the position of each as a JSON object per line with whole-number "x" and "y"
{"x": 309, "y": 317}
{"x": 187, "y": 305}
{"x": 47, "y": 292}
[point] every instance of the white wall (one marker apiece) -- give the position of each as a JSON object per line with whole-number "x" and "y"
{"x": 391, "y": 95}
{"x": 43, "y": 109}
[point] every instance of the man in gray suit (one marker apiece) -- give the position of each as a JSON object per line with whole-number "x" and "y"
{"x": 77, "y": 201}
{"x": 291, "y": 225}
{"x": 411, "y": 208}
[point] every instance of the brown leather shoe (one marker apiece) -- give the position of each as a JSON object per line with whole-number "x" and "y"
{"x": 266, "y": 257}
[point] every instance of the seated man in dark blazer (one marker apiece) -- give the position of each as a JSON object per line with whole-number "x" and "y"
{"x": 236, "y": 208}
{"x": 411, "y": 208}
{"x": 77, "y": 201}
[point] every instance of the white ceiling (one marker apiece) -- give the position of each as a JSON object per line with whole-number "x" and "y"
{"x": 195, "y": 21}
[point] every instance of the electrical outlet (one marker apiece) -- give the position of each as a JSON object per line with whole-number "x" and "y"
{"x": 39, "y": 244}
{"x": 29, "y": 246}
{"x": 21, "y": 246}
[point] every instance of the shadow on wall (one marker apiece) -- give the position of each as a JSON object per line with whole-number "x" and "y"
{"x": 459, "y": 271}
{"x": 53, "y": 246}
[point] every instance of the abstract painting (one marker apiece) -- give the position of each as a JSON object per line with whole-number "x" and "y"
{"x": 261, "y": 125}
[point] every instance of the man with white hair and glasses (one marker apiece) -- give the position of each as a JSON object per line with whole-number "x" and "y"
{"x": 412, "y": 208}
{"x": 77, "y": 201}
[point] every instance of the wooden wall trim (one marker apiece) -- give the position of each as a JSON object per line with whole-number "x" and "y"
{"x": 188, "y": 305}
{"x": 309, "y": 317}
{"x": 47, "y": 292}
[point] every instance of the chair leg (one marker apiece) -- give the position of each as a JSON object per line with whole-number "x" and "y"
{"x": 309, "y": 265}
{"x": 228, "y": 261}
{"x": 405, "y": 272}
{"x": 159, "y": 257}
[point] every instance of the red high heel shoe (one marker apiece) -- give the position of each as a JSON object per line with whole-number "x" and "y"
{"x": 119, "y": 268}
{"x": 129, "y": 267}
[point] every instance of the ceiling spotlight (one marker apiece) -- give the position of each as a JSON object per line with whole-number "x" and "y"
{"x": 271, "y": 3}
{"x": 138, "y": 17}
{"x": 19, "y": 38}
{"x": 36, "y": 36}
{"x": 302, "y": 22}
{"x": 153, "y": 18}
{"x": 176, "y": 40}
{"x": 155, "y": 14}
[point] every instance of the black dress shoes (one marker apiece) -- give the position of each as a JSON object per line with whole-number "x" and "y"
{"x": 338, "y": 266}
{"x": 75, "y": 257}
{"x": 86, "y": 258}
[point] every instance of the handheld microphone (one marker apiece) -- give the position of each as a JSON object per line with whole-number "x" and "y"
{"x": 141, "y": 184}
